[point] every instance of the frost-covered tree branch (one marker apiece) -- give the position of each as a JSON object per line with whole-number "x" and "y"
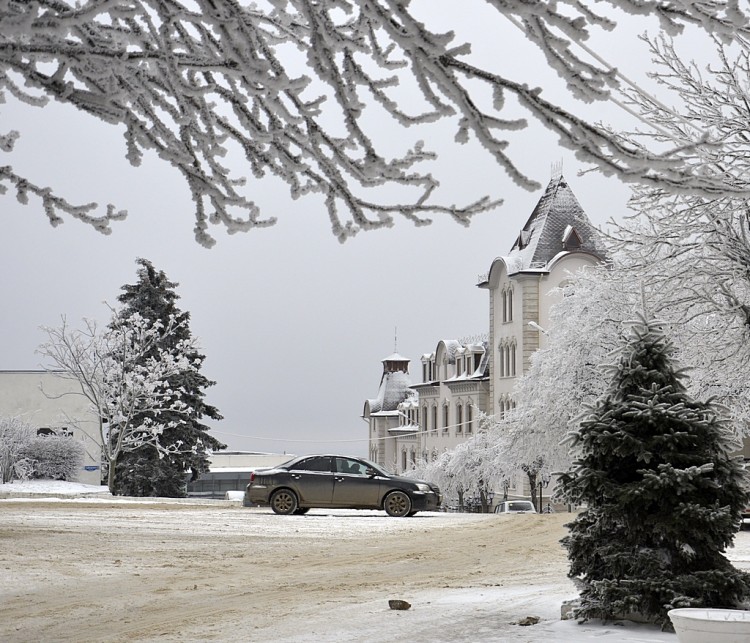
{"x": 123, "y": 373}
{"x": 302, "y": 90}
{"x": 691, "y": 252}
{"x": 472, "y": 470}
{"x": 683, "y": 257}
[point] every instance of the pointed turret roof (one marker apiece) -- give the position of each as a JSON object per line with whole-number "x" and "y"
{"x": 394, "y": 385}
{"x": 557, "y": 224}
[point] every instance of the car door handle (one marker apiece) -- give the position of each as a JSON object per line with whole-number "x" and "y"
{"x": 338, "y": 478}
{"x": 296, "y": 476}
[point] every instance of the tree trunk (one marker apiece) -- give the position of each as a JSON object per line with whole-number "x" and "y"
{"x": 111, "y": 476}
{"x": 484, "y": 501}
{"x": 533, "y": 487}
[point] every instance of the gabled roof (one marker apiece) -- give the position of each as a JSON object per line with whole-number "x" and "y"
{"x": 557, "y": 224}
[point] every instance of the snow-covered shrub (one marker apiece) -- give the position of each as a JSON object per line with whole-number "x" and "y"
{"x": 54, "y": 457}
{"x": 15, "y": 435}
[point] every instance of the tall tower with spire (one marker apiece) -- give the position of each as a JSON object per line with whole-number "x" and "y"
{"x": 381, "y": 412}
{"x": 557, "y": 239}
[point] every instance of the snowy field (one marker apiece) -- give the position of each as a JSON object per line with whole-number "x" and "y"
{"x": 326, "y": 576}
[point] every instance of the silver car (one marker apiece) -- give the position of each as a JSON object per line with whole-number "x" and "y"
{"x": 326, "y": 481}
{"x": 515, "y": 507}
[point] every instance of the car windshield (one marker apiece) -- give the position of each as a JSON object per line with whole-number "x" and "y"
{"x": 378, "y": 469}
{"x": 520, "y": 506}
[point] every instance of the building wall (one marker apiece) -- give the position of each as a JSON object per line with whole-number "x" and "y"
{"x": 47, "y": 400}
{"x": 559, "y": 274}
{"x": 533, "y": 295}
{"x": 230, "y": 471}
{"x": 383, "y": 445}
{"x": 248, "y": 460}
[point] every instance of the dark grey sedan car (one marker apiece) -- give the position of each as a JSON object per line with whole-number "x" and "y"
{"x": 344, "y": 482}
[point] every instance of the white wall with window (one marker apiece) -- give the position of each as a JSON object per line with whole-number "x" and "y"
{"x": 53, "y": 404}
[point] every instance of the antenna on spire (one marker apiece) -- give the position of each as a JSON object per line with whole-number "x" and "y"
{"x": 556, "y": 169}
{"x": 395, "y": 339}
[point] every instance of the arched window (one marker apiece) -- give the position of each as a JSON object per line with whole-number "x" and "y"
{"x": 403, "y": 460}
{"x": 469, "y": 418}
{"x": 507, "y": 361}
{"x": 446, "y": 417}
{"x": 434, "y": 418}
{"x": 510, "y": 305}
{"x": 512, "y": 360}
{"x": 459, "y": 418}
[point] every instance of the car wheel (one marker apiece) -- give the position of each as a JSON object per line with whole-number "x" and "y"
{"x": 284, "y": 502}
{"x": 301, "y": 511}
{"x": 397, "y": 504}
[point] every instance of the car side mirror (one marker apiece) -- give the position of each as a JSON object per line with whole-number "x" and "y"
{"x": 371, "y": 472}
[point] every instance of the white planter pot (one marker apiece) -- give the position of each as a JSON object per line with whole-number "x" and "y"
{"x": 705, "y": 625}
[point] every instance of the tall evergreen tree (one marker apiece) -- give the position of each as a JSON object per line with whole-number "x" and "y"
{"x": 143, "y": 472}
{"x": 662, "y": 491}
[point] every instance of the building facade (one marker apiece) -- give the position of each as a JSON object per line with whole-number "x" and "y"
{"x": 389, "y": 433}
{"x": 52, "y": 404}
{"x": 412, "y": 423}
{"x": 557, "y": 241}
{"x": 454, "y": 389}
{"x": 461, "y": 379}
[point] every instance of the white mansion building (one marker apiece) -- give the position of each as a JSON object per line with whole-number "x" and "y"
{"x": 409, "y": 422}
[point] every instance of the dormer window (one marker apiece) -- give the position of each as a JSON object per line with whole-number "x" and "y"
{"x": 523, "y": 239}
{"x": 571, "y": 239}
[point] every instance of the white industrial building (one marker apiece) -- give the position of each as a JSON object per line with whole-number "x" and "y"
{"x": 53, "y": 404}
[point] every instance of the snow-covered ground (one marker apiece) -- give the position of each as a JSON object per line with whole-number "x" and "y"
{"x": 437, "y": 614}
{"x": 51, "y": 487}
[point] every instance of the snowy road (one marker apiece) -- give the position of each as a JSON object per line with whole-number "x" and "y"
{"x": 123, "y": 571}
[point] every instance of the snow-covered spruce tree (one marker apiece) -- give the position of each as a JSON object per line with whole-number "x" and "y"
{"x": 147, "y": 470}
{"x": 124, "y": 375}
{"x": 661, "y": 490}
{"x": 303, "y": 90}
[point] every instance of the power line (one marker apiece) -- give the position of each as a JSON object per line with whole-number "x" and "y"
{"x": 417, "y": 431}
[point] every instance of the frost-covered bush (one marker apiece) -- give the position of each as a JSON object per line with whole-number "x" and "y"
{"x": 15, "y": 436}
{"x": 54, "y": 457}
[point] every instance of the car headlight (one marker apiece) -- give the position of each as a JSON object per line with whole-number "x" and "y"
{"x": 424, "y": 488}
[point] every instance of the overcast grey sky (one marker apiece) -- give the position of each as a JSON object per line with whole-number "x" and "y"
{"x": 293, "y": 324}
